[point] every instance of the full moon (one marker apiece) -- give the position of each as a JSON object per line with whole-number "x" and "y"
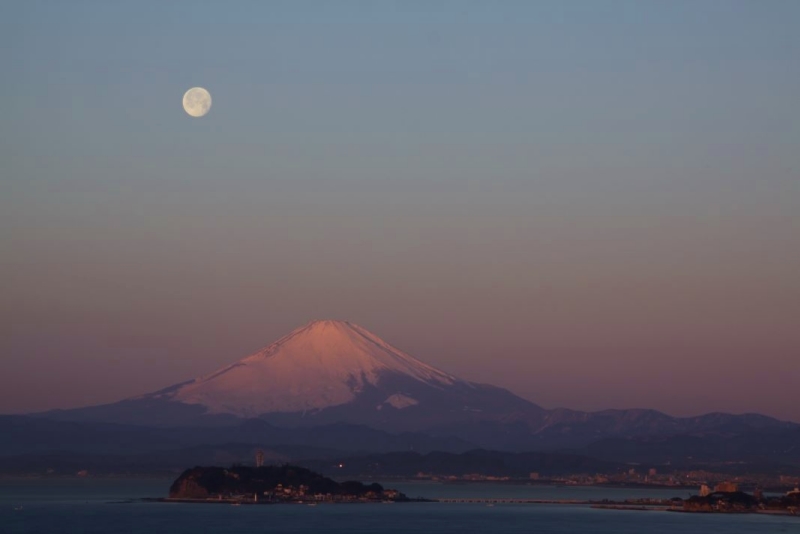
{"x": 197, "y": 101}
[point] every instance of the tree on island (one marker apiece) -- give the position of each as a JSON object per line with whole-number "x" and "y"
{"x": 207, "y": 482}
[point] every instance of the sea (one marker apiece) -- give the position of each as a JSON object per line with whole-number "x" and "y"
{"x": 107, "y": 506}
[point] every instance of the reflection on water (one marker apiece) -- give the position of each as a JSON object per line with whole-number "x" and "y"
{"x": 475, "y": 490}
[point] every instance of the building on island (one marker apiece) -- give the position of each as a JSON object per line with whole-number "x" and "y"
{"x": 726, "y": 487}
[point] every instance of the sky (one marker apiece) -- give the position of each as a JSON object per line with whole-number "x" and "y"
{"x": 593, "y": 204}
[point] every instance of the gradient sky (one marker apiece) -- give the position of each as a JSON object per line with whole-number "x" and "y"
{"x": 594, "y": 204}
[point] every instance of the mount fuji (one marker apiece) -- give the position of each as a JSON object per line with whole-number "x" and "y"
{"x": 324, "y": 372}
{"x": 336, "y": 372}
{"x": 319, "y": 366}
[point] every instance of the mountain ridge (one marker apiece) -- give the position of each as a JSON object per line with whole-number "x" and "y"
{"x": 329, "y": 372}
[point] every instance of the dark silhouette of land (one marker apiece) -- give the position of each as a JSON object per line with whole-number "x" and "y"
{"x": 273, "y": 484}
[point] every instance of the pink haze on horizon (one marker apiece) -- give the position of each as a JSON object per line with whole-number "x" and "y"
{"x": 593, "y": 204}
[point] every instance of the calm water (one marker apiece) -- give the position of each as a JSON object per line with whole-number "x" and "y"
{"x": 93, "y": 506}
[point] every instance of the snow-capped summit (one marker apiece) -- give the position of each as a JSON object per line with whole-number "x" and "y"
{"x": 322, "y": 373}
{"x": 320, "y": 365}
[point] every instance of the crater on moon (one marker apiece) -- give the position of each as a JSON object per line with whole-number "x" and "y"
{"x": 197, "y": 101}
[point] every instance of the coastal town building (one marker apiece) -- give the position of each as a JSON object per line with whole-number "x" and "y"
{"x": 726, "y": 487}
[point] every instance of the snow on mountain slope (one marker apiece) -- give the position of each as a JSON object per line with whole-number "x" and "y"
{"x": 323, "y": 364}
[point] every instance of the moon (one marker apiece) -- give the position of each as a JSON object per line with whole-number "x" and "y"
{"x": 197, "y": 101}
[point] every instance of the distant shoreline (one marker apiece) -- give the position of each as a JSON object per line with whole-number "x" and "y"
{"x": 510, "y": 482}
{"x": 546, "y": 483}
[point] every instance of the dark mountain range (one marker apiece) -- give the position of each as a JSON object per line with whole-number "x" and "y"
{"x": 25, "y": 434}
{"x": 765, "y": 447}
{"x": 561, "y": 428}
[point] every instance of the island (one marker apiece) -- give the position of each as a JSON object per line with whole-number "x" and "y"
{"x": 272, "y": 484}
{"x": 741, "y": 502}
